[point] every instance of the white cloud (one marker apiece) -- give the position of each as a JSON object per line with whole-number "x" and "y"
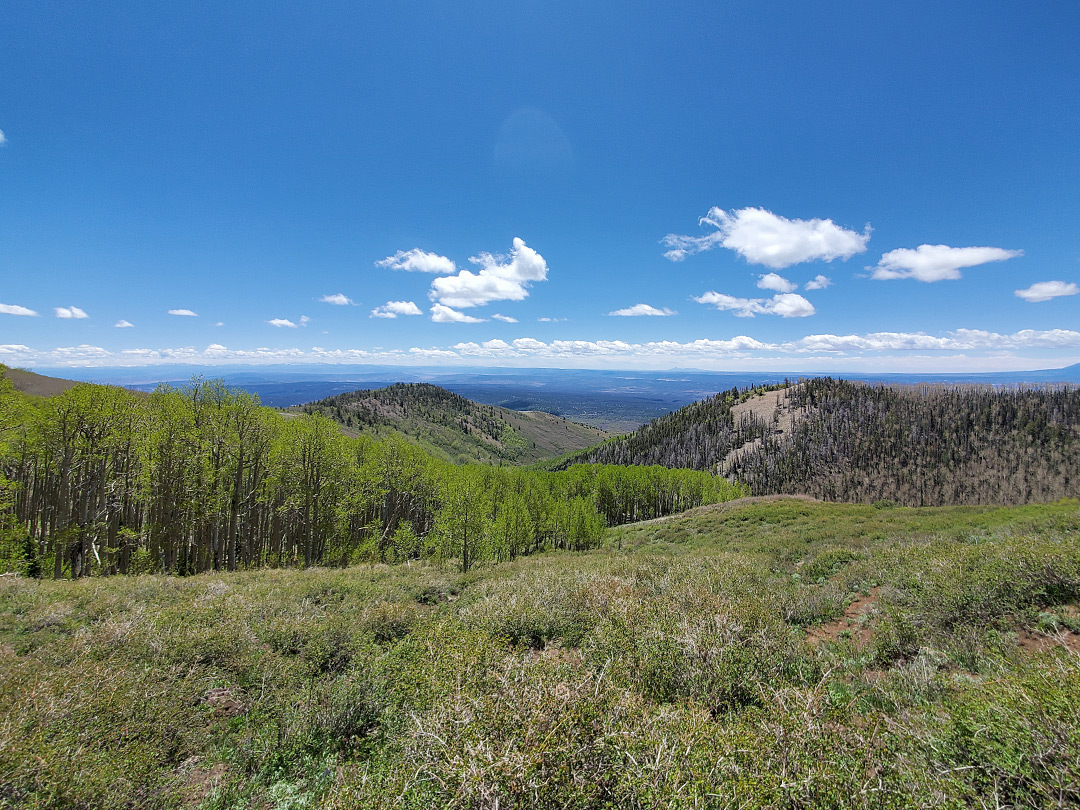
{"x": 123, "y": 324}
{"x": 3, "y": 138}
{"x": 790, "y": 305}
{"x": 220, "y": 323}
{"x": 504, "y": 318}
{"x": 418, "y": 261}
{"x": 546, "y": 319}
{"x": 776, "y": 283}
{"x": 337, "y": 299}
{"x": 70, "y": 312}
{"x": 15, "y": 309}
{"x": 936, "y": 262}
{"x": 500, "y": 278}
{"x": 963, "y": 350}
{"x": 642, "y": 309}
{"x": 1045, "y": 290}
{"x": 186, "y": 313}
{"x": 444, "y": 314}
{"x": 818, "y": 282}
{"x": 391, "y": 309}
{"x": 762, "y": 237}
{"x": 786, "y": 305}
{"x": 304, "y": 320}
{"x": 281, "y": 322}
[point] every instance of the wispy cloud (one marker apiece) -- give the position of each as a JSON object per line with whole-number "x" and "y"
{"x": 440, "y": 313}
{"x": 337, "y": 299}
{"x": 762, "y": 237}
{"x": 70, "y": 312}
{"x": 418, "y": 261}
{"x": 641, "y": 309}
{"x": 786, "y": 305}
{"x": 3, "y": 138}
{"x": 1045, "y": 290}
{"x": 15, "y": 309}
{"x": 500, "y": 278}
{"x": 818, "y": 282}
{"x": 282, "y": 322}
{"x": 931, "y": 263}
{"x": 185, "y": 313}
{"x": 123, "y": 324}
{"x": 503, "y": 318}
{"x": 545, "y": 319}
{"x": 391, "y": 309}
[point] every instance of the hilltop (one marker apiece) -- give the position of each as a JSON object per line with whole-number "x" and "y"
{"x": 454, "y": 428}
{"x": 916, "y": 445}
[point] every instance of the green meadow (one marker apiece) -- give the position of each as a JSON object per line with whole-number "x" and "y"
{"x": 757, "y": 653}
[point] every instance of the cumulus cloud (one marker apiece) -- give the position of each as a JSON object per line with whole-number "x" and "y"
{"x": 15, "y": 309}
{"x": 936, "y": 262}
{"x": 123, "y": 324}
{"x": 776, "y": 283}
{"x": 440, "y": 313}
{"x": 762, "y": 237}
{"x": 504, "y": 318}
{"x": 186, "y": 313}
{"x": 70, "y": 312}
{"x": 818, "y": 282}
{"x": 641, "y": 309}
{"x": 1045, "y": 290}
{"x": 786, "y": 305}
{"x": 282, "y": 322}
{"x": 391, "y": 309}
{"x": 500, "y": 278}
{"x": 418, "y": 261}
{"x": 337, "y": 299}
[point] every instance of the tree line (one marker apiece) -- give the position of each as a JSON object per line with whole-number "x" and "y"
{"x": 101, "y": 480}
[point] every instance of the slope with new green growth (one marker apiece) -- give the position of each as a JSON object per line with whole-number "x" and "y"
{"x": 453, "y": 428}
{"x": 762, "y": 654}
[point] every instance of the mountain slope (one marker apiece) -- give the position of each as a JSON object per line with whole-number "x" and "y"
{"x": 452, "y": 427}
{"x": 925, "y": 445}
{"x": 36, "y": 384}
{"x": 700, "y": 436}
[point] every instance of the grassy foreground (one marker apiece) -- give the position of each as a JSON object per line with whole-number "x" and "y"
{"x": 765, "y": 654}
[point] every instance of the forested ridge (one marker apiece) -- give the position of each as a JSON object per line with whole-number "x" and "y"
{"x": 102, "y": 480}
{"x": 928, "y": 445}
{"x": 925, "y": 445}
{"x": 452, "y": 427}
{"x": 697, "y": 437}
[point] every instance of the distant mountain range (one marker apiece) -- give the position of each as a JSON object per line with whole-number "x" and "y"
{"x": 616, "y": 401}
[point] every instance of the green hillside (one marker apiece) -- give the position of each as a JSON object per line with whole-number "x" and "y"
{"x": 756, "y": 654}
{"x": 453, "y": 428}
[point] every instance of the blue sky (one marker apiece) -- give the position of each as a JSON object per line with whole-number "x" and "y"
{"x": 714, "y": 185}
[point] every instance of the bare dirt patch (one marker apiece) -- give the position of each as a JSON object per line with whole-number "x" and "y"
{"x": 772, "y": 406}
{"x": 1034, "y": 641}
{"x": 854, "y": 622}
